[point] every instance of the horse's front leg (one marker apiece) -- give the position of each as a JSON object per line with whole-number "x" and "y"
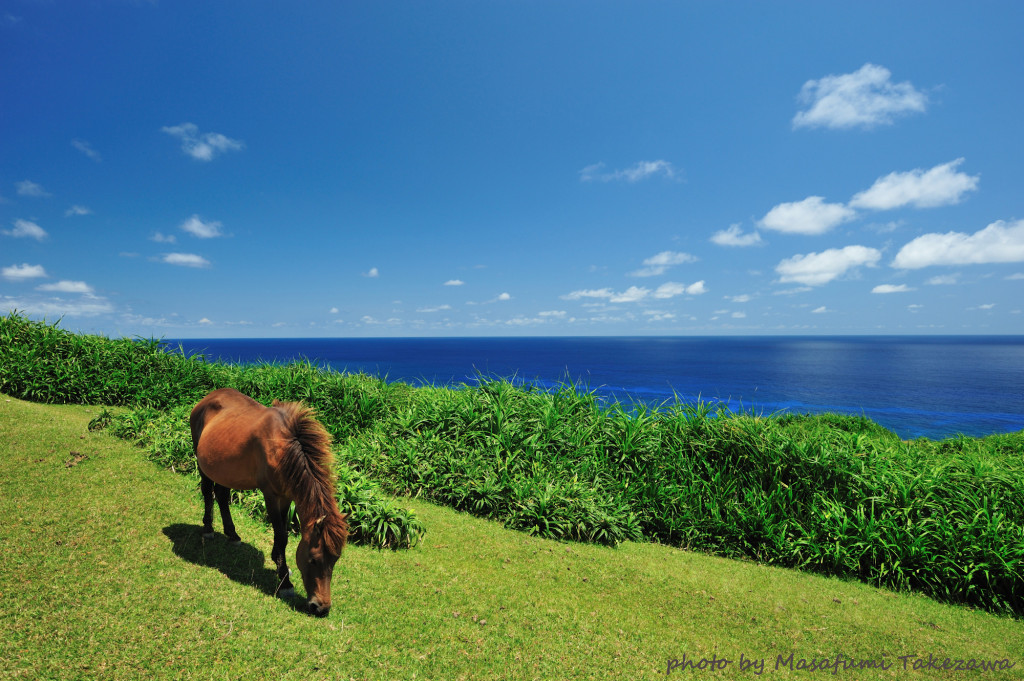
{"x": 277, "y": 509}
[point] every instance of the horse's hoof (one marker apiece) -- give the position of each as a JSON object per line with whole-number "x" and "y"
{"x": 234, "y": 541}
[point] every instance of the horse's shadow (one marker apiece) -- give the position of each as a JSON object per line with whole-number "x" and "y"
{"x": 242, "y": 563}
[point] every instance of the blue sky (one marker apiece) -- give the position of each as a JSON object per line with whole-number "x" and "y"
{"x": 207, "y": 169}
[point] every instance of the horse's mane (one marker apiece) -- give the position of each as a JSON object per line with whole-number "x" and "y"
{"x": 307, "y": 466}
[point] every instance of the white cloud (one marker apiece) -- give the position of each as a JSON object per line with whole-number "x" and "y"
{"x": 203, "y": 230}
{"x": 162, "y": 238}
{"x": 641, "y": 171}
{"x": 671, "y": 289}
{"x": 31, "y": 189}
{"x": 739, "y": 315}
{"x": 439, "y": 308}
{"x": 891, "y": 288}
{"x": 557, "y": 314}
{"x": 1000, "y": 242}
{"x": 22, "y": 272}
{"x": 67, "y": 287}
{"x": 334, "y": 310}
{"x": 630, "y": 295}
{"x": 204, "y": 320}
{"x": 202, "y": 146}
{"x": 454, "y": 282}
{"x": 185, "y": 260}
{"x": 87, "y": 149}
{"x": 1016, "y": 276}
{"x": 792, "y": 291}
{"x": 635, "y": 294}
{"x": 658, "y": 264}
{"x": 939, "y": 186}
{"x": 504, "y": 296}
{"x": 86, "y": 306}
{"x": 815, "y": 269}
{"x": 819, "y": 310}
{"x": 77, "y": 210}
{"x": 697, "y": 288}
{"x": 26, "y": 229}
{"x": 373, "y": 273}
{"x": 987, "y": 306}
{"x": 741, "y": 298}
{"x": 864, "y": 98}
{"x": 943, "y": 280}
{"x": 589, "y": 293}
{"x": 810, "y": 216}
{"x": 734, "y": 236}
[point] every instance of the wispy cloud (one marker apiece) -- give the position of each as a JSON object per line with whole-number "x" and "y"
{"x": 454, "y": 282}
{"x": 1000, "y": 242}
{"x": 640, "y": 171}
{"x": 439, "y": 308}
{"x": 185, "y": 260}
{"x": 815, "y": 269}
{"x": 865, "y": 98}
{"x": 734, "y": 236}
{"x": 26, "y": 229}
{"x": 77, "y": 210}
{"x": 810, "y": 216}
{"x": 635, "y": 294}
{"x": 891, "y": 288}
{"x": 162, "y": 238}
{"x": 938, "y": 186}
{"x": 658, "y": 264}
{"x": 672, "y": 289}
{"x": 87, "y": 149}
{"x": 67, "y": 287}
{"x": 202, "y": 146}
{"x": 373, "y": 273}
{"x": 588, "y": 293}
{"x": 31, "y": 189}
{"x": 84, "y": 306}
{"x": 23, "y": 272}
{"x": 203, "y": 230}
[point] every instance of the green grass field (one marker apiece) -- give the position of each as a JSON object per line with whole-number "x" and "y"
{"x": 103, "y": 574}
{"x": 836, "y": 495}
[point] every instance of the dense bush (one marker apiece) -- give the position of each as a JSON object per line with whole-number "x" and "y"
{"x": 834, "y": 494}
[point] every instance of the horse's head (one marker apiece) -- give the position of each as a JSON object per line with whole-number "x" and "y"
{"x": 315, "y": 556}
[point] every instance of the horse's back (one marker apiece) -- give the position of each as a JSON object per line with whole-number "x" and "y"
{"x": 229, "y": 433}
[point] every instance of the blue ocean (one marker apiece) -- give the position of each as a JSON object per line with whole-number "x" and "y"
{"x": 934, "y": 386}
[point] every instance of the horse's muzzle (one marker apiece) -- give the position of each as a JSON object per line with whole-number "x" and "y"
{"x": 318, "y": 610}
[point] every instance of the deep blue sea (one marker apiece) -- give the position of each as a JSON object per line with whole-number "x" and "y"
{"x": 935, "y": 386}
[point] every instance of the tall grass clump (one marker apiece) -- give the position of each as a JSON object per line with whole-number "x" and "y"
{"x": 833, "y": 494}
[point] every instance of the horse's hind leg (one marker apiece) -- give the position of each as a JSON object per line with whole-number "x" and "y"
{"x": 223, "y": 495}
{"x": 206, "y": 486}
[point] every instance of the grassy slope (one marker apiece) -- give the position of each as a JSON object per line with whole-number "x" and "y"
{"x": 103, "y": 575}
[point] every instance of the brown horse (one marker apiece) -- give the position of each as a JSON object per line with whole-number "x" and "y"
{"x": 284, "y": 452}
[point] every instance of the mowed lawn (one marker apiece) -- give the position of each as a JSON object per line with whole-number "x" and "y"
{"x": 103, "y": 574}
